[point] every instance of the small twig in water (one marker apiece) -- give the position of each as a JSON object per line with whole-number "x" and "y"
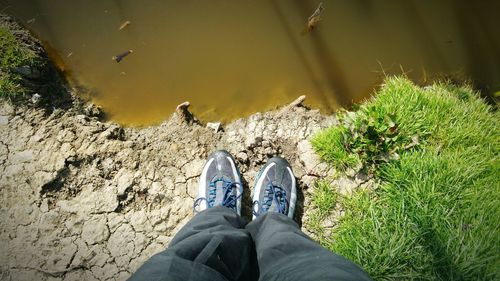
{"x": 297, "y": 102}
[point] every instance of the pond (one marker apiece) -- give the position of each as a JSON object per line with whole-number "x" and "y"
{"x": 234, "y": 58}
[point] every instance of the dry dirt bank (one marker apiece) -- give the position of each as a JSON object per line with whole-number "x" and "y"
{"x": 83, "y": 199}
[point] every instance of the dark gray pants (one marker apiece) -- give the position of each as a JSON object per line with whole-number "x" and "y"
{"x": 218, "y": 245}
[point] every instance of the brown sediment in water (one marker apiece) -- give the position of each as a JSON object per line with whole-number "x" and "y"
{"x": 234, "y": 58}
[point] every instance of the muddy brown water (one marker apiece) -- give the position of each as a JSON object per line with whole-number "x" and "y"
{"x": 233, "y": 58}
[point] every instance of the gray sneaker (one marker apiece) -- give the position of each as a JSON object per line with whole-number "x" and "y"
{"x": 220, "y": 183}
{"x": 275, "y": 189}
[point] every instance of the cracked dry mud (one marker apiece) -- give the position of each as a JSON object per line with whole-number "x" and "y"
{"x": 83, "y": 199}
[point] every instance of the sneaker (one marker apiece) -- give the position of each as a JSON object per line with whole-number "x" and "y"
{"x": 275, "y": 189}
{"x": 220, "y": 183}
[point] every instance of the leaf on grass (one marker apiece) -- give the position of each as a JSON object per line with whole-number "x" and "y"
{"x": 414, "y": 142}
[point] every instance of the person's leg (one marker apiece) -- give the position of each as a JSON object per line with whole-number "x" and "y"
{"x": 283, "y": 251}
{"x": 212, "y": 246}
{"x": 286, "y": 253}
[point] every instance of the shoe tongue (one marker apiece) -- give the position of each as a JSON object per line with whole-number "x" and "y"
{"x": 220, "y": 183}
{"x": 274, "y": 206}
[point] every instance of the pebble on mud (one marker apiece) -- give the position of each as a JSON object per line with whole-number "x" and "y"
{"x": 214, "y": 126}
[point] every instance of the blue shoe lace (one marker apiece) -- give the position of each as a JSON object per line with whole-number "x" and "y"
{"x": 271, "y": 193}
{"x": 229, "y": 200}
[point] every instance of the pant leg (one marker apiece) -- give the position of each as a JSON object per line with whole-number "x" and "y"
{"x": 286, "y": 253}
{"x": 213, "y": 246}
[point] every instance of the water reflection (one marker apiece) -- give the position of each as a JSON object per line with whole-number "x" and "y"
{"x": 232, "y": 58}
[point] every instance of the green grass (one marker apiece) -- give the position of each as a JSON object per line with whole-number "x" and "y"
{"x": 435, "y": 215}
{"x": 13, "y": 54}
{"x": 324, "y": 197}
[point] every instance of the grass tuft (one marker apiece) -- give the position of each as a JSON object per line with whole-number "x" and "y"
{"x": 13, "y": 54}
{"x": 435, "y": 214}
{"x": 324, "y": 201}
